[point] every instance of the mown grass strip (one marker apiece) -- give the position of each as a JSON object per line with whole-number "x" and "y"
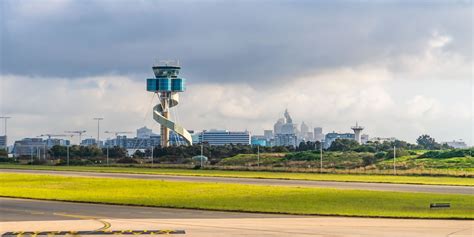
{"x": 428, "y": 180}
{"x": 235, "y": 197}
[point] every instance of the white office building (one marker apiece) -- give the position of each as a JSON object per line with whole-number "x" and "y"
{"x": 223, "y": 137}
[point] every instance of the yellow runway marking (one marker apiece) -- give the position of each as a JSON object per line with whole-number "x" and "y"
{"x": 106, "y": 224}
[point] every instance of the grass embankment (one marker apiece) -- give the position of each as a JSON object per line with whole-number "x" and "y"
{"x": 259, "y": 174}
{"x": 235, "y": 197}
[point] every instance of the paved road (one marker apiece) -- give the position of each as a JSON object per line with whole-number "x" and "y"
{"x": 276, "y": 182}
{"x": 34, "y": 215}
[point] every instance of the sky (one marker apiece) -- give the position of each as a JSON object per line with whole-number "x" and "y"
{"x": 398, "y": 68}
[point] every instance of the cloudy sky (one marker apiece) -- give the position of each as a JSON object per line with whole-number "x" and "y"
{"x": 399, "y": 68}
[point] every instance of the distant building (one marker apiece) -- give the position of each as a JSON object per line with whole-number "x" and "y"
{"x": 258, "y": 140}
{"x": 309, "y": 136}
{"x": 304, "y": 129}
{"x": 223, "y": 137}
{"x": 456, "y": 144}
{"x": 91, "y": 142}
{"x": 144, "y": 132}
{"x": 364, "y": 138}
{"x": 268, "y": 134}
{"x": 382, "y": 139}
{"x": 332, "y": 136}
{"x": 29, "y": 147}
{"x": 318, "y": 134}
{"x": 3, "y": 142}
{"x": 134, "y": 143}
{"x": 195, "y": 137}
{"x": 286, "y": 140}
{"x": 277, "y": 128}
{"x": 50, "y": 142}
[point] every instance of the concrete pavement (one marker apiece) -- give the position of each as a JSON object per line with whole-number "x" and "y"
{"x": 34, "y": 215}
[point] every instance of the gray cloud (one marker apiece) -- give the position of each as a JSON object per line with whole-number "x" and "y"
{"x": 231, "y": 41}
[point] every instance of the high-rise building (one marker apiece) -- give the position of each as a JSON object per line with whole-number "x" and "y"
{"x": 304, "y": 129}
{"x": 223, "y": 137}
{"x": 285, "y": 132}
{"x": 318, "y": 134}
{"x": 3, "y": 142}
{"x": 268, "y": 134}
{"x": 144, "y": 132}
{"x": 277, "y": 128}
{"x": 286, "y": 140}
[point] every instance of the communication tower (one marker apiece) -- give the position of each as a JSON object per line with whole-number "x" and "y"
{"x": 167, "y": 86}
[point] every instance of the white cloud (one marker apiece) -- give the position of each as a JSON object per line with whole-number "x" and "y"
{"x": 332, "y": 99}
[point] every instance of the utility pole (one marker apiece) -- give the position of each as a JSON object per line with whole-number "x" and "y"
{"x": 5, "y": 118}
{"x": 98, "y": 130}
{"x": 394, "y": 155}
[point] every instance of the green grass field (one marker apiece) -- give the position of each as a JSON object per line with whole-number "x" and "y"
{"x": 235, "y": 197}
{"x": 430, "y": 180}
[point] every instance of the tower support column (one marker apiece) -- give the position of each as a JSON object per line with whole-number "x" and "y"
{"x": 165, "y": 132}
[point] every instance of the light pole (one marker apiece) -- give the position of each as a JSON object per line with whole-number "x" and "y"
{"x": 152, "y": 148}
{"x": 320, "y": 157}
{"x": 67, "y": 150}
{"x": 5, "y": 118}
{"x": 107, "y": 154}
{"x": 201, "y": 155}
{"x": 98, "y": 130}
{"x": 258, "y": 155}
{"x": 394, "y": 155}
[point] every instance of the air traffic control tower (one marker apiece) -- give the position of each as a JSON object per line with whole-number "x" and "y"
{"x": 167, "y": 85}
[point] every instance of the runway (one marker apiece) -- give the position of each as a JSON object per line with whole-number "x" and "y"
{"x": 34, "y": 215}
{"x": 275, "y": 182}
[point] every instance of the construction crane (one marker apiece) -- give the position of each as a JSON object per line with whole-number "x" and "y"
{"x": 116, "y": 133}
{"x": 77, "y": 132}
{"x": 52, "y": 135}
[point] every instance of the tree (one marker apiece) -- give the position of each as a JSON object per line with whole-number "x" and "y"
{"x": 427, "y": 142}
{"x": 3, "y": 153}
{"x": 139, "y": 154}
{"x": 343, "y": 145}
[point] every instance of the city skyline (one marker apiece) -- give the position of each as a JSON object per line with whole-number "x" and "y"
{"x": 411, "y": 79}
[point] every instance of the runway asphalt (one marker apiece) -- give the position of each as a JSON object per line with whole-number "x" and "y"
{"x": 276, "y": 182}
{"x": 35, "y": 215}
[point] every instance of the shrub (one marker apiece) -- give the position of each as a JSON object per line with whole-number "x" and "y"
{"x": 127, "y": 160}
